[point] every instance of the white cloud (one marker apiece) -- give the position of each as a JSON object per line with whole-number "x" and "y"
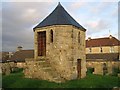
{"x": 60, "y": 0}
{"x": 28, "y": 0}
{"x": 98, "y": 28}
{"x": 19, "y": 19}
{"x": 101, "y": 7}
{"x": 98, "y": 25}
{"x": 76, "y": 5}
{"x": 114, "y": 13}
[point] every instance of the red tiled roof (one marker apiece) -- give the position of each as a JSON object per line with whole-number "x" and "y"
{"x": 20, "y": 56}
{"x": 102, "y": 42}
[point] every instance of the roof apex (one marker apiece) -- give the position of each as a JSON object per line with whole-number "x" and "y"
{"x": 59, "y": 3}
{"x": 59, "y": 16}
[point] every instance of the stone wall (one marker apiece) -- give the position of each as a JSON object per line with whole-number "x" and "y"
{"x": 20, "y": 64}
{"x": 63, "y": 52}
{"x": 41, "y": 70}
{"x": 98, "y": 66}
{"x": 8, "y": 67}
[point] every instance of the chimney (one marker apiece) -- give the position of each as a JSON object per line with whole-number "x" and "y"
{"x": 89, "y": 38}
{"x": 110, "y": 36}
{"x": 19, "y": 48}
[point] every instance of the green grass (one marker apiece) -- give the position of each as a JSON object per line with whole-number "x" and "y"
{"x": 17, "y": 80}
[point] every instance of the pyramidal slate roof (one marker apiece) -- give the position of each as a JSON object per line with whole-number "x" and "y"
{"x": 59, "y": 16}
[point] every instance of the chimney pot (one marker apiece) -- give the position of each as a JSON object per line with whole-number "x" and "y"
{"x": 19, "y": 48}
{"x": 89, "y": 38}
{"x": 110, "y": 36}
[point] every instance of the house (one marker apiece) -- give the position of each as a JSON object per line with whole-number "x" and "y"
{"x": 12, "y": 60}
{"x": 103, "y": 54}
{"x": 7, "y": 65}
{"x": 59, "y": 52}
{"x": 5, "y": 56}
{"x": 21, "y": 55}
{"x": 102, "y": 45}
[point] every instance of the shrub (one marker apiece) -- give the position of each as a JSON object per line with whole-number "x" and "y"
{"x": 16, "y": 70}
{"x": 115, "y": 71}
{"x": 90, "y": 70}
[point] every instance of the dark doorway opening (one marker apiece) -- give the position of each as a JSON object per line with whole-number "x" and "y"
{"x": 42, "y": 43}
{"x": 78, "y": 68}
{"x": 90, "y": 70}
{"x": 105, "y": 70}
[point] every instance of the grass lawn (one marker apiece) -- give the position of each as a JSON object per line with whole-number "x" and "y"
{"x": 17, "y": 80}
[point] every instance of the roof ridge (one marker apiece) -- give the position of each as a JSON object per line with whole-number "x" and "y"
{"x": 103, "y": 38}
{"x": 105, "y": 41}
{"x": 26, "y": 50}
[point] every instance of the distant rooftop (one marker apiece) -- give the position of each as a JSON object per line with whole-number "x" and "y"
{"x": 106, "y": 41}
{"x": 59, "y": 17}
{"x": 21, "y": 55}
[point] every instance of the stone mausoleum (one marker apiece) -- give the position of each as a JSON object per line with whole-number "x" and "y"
{"x": 59, "y": 48}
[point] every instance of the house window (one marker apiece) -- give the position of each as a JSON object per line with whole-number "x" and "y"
{"x": 42, "y": 43}
{"x": 51, "y": 36}
{"x": 90, "y": 49}
{"x": 101, "y": 50}
{"x": 79, "y": 37}
{"x": 111, "y": 49}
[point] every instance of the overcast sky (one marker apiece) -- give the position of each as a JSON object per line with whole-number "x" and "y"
{"x": 99, "y": 17}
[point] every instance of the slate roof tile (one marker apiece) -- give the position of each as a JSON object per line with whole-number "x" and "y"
{"x": 59, "y": 17}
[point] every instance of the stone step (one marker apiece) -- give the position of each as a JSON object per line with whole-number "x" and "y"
{"x": 44, "y": 64}
{"x": 53, "y": 73}
{"x": 58, "y": 80}
{"x": 41, "y": 59}
{"x": 47, "y": 68}
{"x": 50, "y": 71}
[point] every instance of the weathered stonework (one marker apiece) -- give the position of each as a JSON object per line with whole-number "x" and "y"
{"x": 8, "y": 67}
{"x": 99, "y": 65}
{"x": 60, "y": 62}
